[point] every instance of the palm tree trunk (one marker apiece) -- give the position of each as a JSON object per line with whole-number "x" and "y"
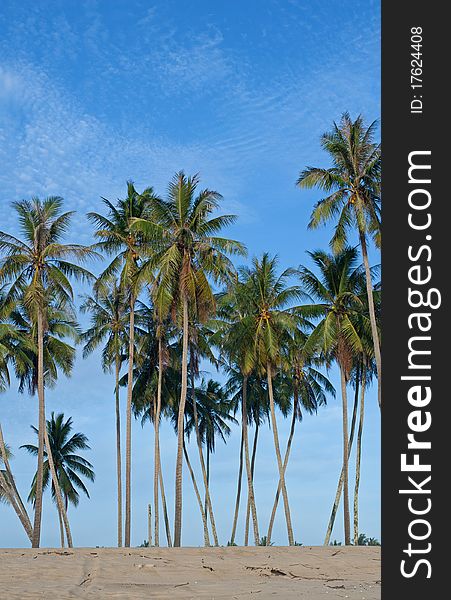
{"x": 250, "y": 485}
{"x": 61, "y": 528}
{"x": 41, "y": 429}
{"x": 208, "y": 502}
{"x": 180, "y": 431}
{"x": 285, "y": 463}
{"x": 279, "y": 457}
{"x": 157, "y": 444}
{"x": 163, "y": 502}
{"x": 199, "y": 499}
{"x": 149, "y": 524}
{"x": 238, "y": 493}
{"x": 58, "y": 496}
{"x": 374, "y": 332}
{"x": 248, "y": 510}
{"x": 128, "y": 439}
{"x": 333, "y": 513}
{"x": 346, "y": 518}
{"x": 358, "y": 457}
{"x": 11, "y": 489}
{"x": 12, "y": 499}
{"x": 118, "y": 455}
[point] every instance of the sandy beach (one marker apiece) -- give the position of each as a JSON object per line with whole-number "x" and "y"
{"x": 315, "y": 573}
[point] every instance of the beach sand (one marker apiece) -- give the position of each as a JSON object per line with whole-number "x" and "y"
{"x": 316, "y": 573}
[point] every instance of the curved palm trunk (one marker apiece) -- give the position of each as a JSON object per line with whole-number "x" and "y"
{"x": 250, "y": 485}
{"x": 208, "y": 503}
{"x": 180, "y": 431}
{"x": 12, "y": 499}
{"x": 12, "y": 491}
{"x": 358, "y": 457}
{"x": 374, "y": 332}
{"x": 333, "y": 513}
{"x": 61, "y": 529}
{"x": 279, "y": 457}
{"x": 285, "y": 464}
{"x": 118, "y": 455}
{"x": 41, "y": 428}
{"x": 157, "y": 444}
{"x": 62, "y": 507}
{"x": 238, "y": 493}
{"x": 163, "y": 502}
{"x": 346, "y": 518}
{"x": 199, "y": 499}
{"x": 248, "y": 510}
{"x": 128, "y": 439}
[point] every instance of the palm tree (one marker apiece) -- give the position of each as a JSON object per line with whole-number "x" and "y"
{"x": 212, "y": 409}
{"x": 271, "y": 322}
{"x": 31, "y": 267}
{"x": 258, "y": 412}
{"x": 68, "y": 465}
{"x": 199, "y": 347}
{"x": 336, "y": 290}
{"x": 155, "y": 355}
{"x": 233, "y": 338}
{"x": 124, "y": 245}
{"x": 354, "y": 187}
{"x": 188, "y": 255}
{"x": 307, "y": 386}
{"x": 109, "y": 326}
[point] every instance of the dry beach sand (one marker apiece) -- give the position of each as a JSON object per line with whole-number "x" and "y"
{"x": 316, "y": 573}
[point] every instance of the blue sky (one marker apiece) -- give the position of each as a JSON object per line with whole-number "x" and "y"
{"x": 94, "y": 93}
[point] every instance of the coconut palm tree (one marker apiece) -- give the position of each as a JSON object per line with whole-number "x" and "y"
{"x": 213, "y": 415}
{"x": 308, "y": 388}
{"x": 353, "y": 185}
{"x": 109, "y": 326}
{"x": 272, "y": 320}
{"x": 258, "y": 412}
{"x": 117, "y": 240}
{"x": 155, "y": 356}
{"x": 69, "y": 467}
{"x": 233, "y": 338}
{"x": 199, "y": 348}
{"x": 336, "y": 290}
{"x": 188, "y": 255}
{"x": 31, "y": 268}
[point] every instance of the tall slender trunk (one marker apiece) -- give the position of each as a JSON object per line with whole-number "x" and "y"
{"x": 62, "y": 507}
{"x": 180, "y": 431}
{"x": 250, "y": 485}
{"x": 61, "y": 528}
{"x": 208, "y": 502}
{"x": 346, "y": 518}
{"x": 149, "y": 524}
{"x": 163, "y": 502}
{"x": 279, "y": 457}
{"x": 238, "y": 493}
{"x": 118, "y": 454}
{"x": 12, "y": 499}
{"x": 358, "y": 456}
{"x": 41, "y": 428}
{"x": 333, "y": 513}
{"x": 11, "y": 490}
{"x": 128, "y": 416}
{"x": 374, "y": 332}
{"x": 199, "y": 499}
{"x": 248, "y": 510}
{"x": 157, "y": 444}
{"x": 285, "y": 463}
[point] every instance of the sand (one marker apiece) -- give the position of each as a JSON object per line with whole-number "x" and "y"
{"x": 316, "y": 573}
